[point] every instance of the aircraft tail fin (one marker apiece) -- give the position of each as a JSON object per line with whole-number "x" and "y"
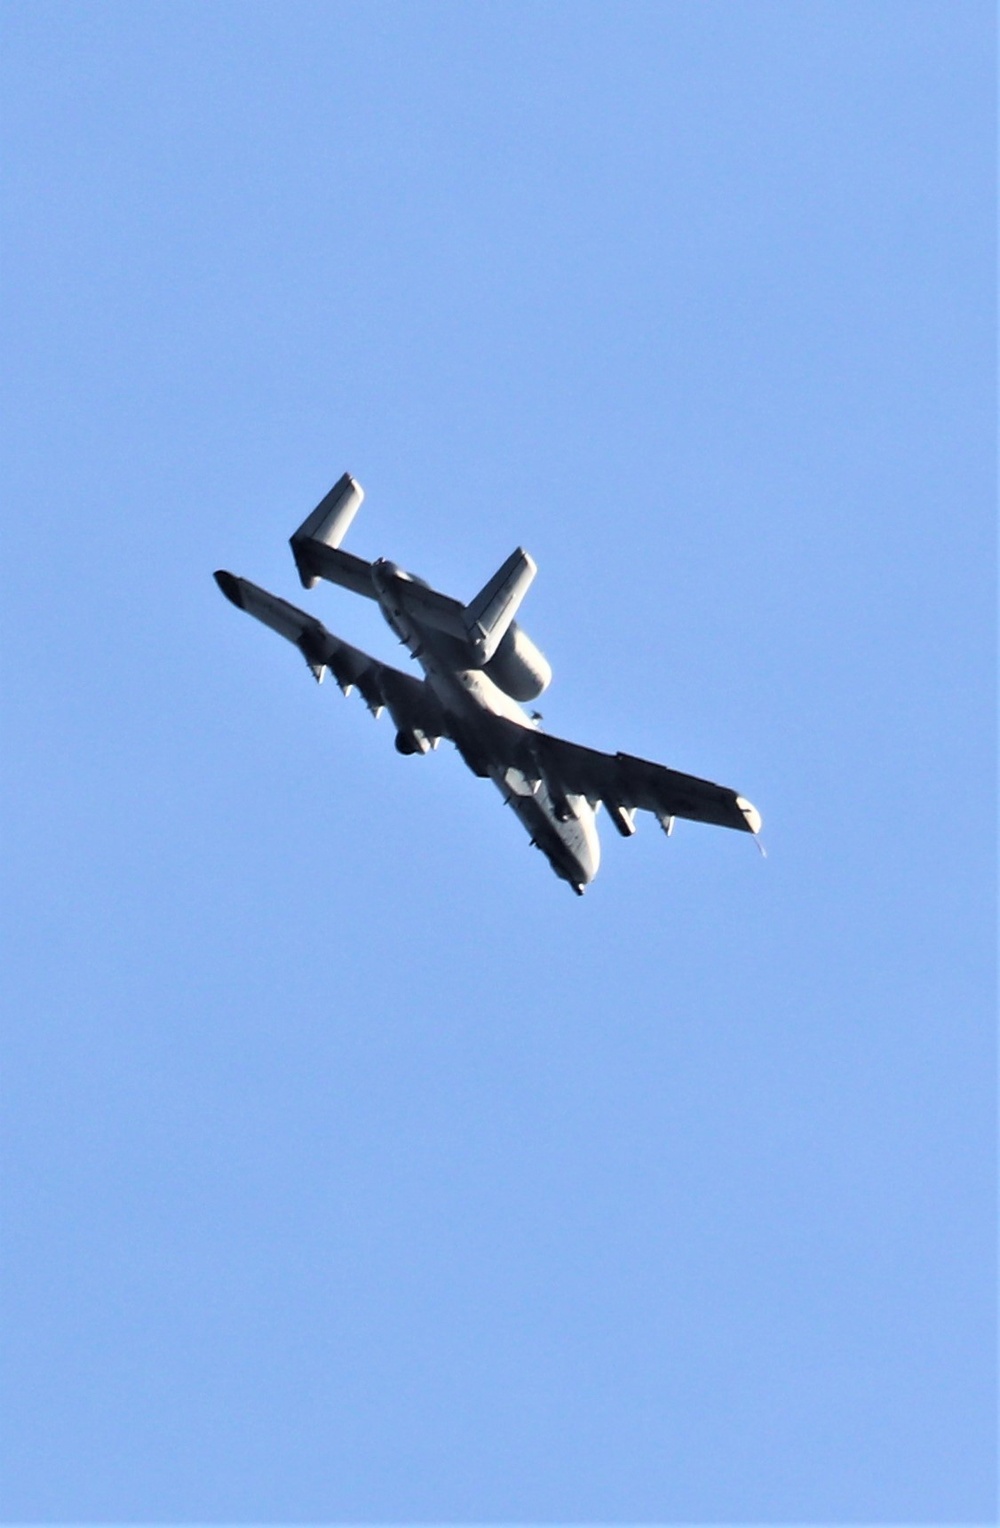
{"x": 326, "y": 526}
{"x": 488, "y": 617}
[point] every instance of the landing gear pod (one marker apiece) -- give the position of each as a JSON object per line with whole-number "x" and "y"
{"x": 622, "y": 818}
{"x": 411, "y": 740}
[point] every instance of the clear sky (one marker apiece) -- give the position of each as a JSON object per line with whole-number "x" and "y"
{"x": 353, "y": 1169}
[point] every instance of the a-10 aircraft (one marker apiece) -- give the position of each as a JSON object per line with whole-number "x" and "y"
{"x": 479, "y": 666}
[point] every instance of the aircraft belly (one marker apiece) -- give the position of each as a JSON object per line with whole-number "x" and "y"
{"x": 572, "y": 847}
{"x": 465, "y": 693}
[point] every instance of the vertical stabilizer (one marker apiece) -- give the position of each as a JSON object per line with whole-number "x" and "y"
{"x": 328, "y": 524}
{"x": 490, "y": 614}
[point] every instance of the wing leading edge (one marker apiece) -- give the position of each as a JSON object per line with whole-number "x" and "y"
{"x": 411, "y": 704}
{"x": 622, "y": 781}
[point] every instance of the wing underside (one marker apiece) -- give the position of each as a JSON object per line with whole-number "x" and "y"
{"x": 620, "y": 780}
{"x": 624, "y": 783}
{"x": 411, "y": 704}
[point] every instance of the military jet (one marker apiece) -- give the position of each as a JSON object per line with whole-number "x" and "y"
{"x": 480, "y": 668}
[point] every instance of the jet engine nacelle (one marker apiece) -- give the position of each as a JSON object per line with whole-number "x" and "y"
{"x": 518, "y": 667}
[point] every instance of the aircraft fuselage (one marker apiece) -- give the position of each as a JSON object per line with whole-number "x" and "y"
{"x": 562, "y": 825}
{"x": 480, "y": 669}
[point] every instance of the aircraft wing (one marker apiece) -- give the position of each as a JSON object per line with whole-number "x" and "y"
{"x": 620, "y": 780}
{"x": 409, "y": 701}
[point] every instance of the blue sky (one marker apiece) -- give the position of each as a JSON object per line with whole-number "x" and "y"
{"x": 353, "y": 1169}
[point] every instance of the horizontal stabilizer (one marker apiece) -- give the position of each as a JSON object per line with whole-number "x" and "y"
{"x": 490, "y": 614}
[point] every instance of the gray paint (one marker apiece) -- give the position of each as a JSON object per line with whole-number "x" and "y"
{"x": 553, "y": 786}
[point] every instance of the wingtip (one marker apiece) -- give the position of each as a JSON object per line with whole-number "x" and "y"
{"x": 750, "y": 813}
{"x": 230, "y": 586}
